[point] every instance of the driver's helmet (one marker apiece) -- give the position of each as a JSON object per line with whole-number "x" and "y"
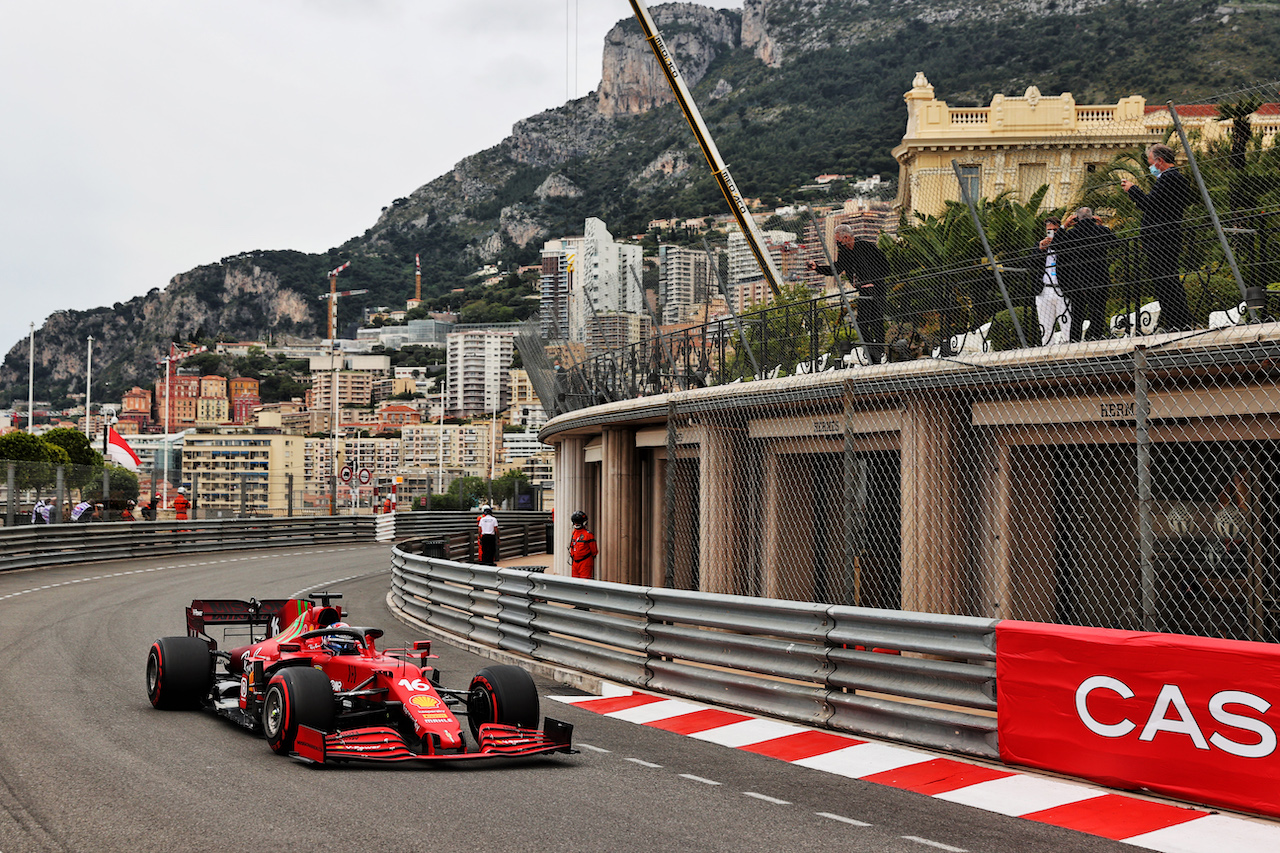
{"x": 339, "y": 645}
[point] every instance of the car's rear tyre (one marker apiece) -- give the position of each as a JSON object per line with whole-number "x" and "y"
{"x": 179, "y": 672}
{"x": 296, "y": 696}
{"x": 502, "y": 694}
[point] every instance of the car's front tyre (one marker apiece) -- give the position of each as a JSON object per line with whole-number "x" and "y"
{"x": 502, "y": 694}
{"x": 179, "y": 672}
{"x": 296, "y": 695}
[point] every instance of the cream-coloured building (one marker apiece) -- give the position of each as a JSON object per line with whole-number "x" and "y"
{"x": 1023, "y": 143}
{"x": 354, "y": 389}
{"x": 467, "y": 448}
{"x": 1015, "y": 143}
{"x": 233, "y": 469}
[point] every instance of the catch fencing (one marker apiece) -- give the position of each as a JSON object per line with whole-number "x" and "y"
{"x": 989, "y": 455}
{"x": 919, "y": 678}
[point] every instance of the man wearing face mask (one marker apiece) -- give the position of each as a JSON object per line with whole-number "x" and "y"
{"x": 1161, "y": 231}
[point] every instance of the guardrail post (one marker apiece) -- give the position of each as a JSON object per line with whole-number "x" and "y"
{"x": 288, "y": 480}
{"x": 524, "y": 544}
{"x": 60, "y": 495}
{"x": 244, "y": 495}
{"x": 194, "y": 509}
{"x": 106, "y": 494}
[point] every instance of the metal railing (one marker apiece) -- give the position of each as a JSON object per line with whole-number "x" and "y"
{"x": 454, "y": 535}
{"x": 61, "y": 544}
{"x": 919, "y": 678}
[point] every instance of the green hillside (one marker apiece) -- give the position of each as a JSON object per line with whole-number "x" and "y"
{"x": 834, "y": 105}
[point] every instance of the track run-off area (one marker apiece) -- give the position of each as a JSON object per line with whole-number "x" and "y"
{"x": 87, "y": 764}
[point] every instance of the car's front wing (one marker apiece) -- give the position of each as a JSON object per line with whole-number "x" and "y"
{"x": 384, "y": 744}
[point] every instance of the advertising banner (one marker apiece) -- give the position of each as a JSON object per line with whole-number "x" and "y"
{"x": 1190, "y": 717}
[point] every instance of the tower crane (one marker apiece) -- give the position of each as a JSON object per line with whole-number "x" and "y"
{"x": 333, "y": 296}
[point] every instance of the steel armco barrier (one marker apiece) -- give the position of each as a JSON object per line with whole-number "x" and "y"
{"x": 918, "y": 678}
{"x": 60, "y": 544}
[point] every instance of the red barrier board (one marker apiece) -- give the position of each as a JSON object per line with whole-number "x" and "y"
{"x": 1190, "y": 717}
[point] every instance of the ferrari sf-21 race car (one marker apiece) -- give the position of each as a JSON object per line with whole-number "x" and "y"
{"x": 320, "y": 689}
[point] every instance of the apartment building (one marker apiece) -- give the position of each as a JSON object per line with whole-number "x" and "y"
{"x": 234, "y": 470}
{"x": 478, "y": 365}
{"x": 685, "y": 279}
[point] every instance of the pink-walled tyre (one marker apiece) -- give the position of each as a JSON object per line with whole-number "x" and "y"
{"x": 296, "y": 695}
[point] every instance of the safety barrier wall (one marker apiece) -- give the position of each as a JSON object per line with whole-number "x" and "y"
{"x": 919, "y": 678}
{"x": 1189, "y": 717}
{"x": 60, "y": 544}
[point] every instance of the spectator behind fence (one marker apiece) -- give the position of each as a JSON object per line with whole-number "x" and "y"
{"x": 1161, "y": 231}
{"x": 1084, "y": 271}
{"x": 83, "y": 512}
{"x": 866, "y": 267}
{"x": 1051, "y": 306}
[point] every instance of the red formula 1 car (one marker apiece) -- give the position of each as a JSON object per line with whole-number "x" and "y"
{"x": 320, "y": 689}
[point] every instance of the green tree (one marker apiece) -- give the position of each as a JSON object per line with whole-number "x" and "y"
{"x": 85, "y": 462}
{"x": 942, "y": 282}
{"x": 36, "y": 459}
{"x": 123, "y": 486}
{"x": 468, "y": 491}
{"x": 504, "y": 487}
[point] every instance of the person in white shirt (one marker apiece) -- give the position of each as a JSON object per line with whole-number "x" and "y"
{"x": 1051, "y": 306}
{"x": 488, "y": 536}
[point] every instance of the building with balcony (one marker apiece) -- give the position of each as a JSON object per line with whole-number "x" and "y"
{"x": 478, "y": 365}
{"x": 685, "y": 279}
{"x": 234, "y": 471}
{"x": 1017, "y": 143}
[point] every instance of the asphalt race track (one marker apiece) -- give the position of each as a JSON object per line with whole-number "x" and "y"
{"x": 87, "y": 764}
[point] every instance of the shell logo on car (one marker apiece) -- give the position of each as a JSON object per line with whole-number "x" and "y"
{"x": 426, "y": 703}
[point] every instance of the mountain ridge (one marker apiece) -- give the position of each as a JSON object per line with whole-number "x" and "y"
{"x": 789, "y": 88}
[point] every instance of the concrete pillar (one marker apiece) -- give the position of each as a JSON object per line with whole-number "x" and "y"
{"x": 932, "y": 573}
{"x": 718, "y": 510}
{"x": 570, "y": 480}
{"x": 621, "y": 496}
{"x": 656, "y": 522}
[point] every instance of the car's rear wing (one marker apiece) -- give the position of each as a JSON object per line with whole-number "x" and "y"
{"x": 272, "y": 615}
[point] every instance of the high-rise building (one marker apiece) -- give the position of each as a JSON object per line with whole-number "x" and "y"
{"x": 685, "y": 279}
{"x": 353, "y": 389}
{"x": 182, "y": 403}
{"x": 607, "y": 278}
{"x": 136, "y": 408}
{"x": 742, "y": 261}
{"x": 244, "y": 398}
{"x": 558, "y": 262}
{"x": 478, "y": 361}
{"x": 526, "y": 408}
{"x": 231, "y": 469}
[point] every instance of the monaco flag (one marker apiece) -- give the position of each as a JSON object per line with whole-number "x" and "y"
{"x": 119, "y": 451}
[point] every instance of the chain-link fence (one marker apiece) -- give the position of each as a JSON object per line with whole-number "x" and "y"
{"x": 1062, "y": 404}
{"x": 1130, "y": 488}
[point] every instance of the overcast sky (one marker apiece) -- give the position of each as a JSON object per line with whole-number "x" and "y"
{"x": 142, "y": 138}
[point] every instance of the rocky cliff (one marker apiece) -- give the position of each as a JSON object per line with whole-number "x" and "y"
{"x": 790, "y": 88}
